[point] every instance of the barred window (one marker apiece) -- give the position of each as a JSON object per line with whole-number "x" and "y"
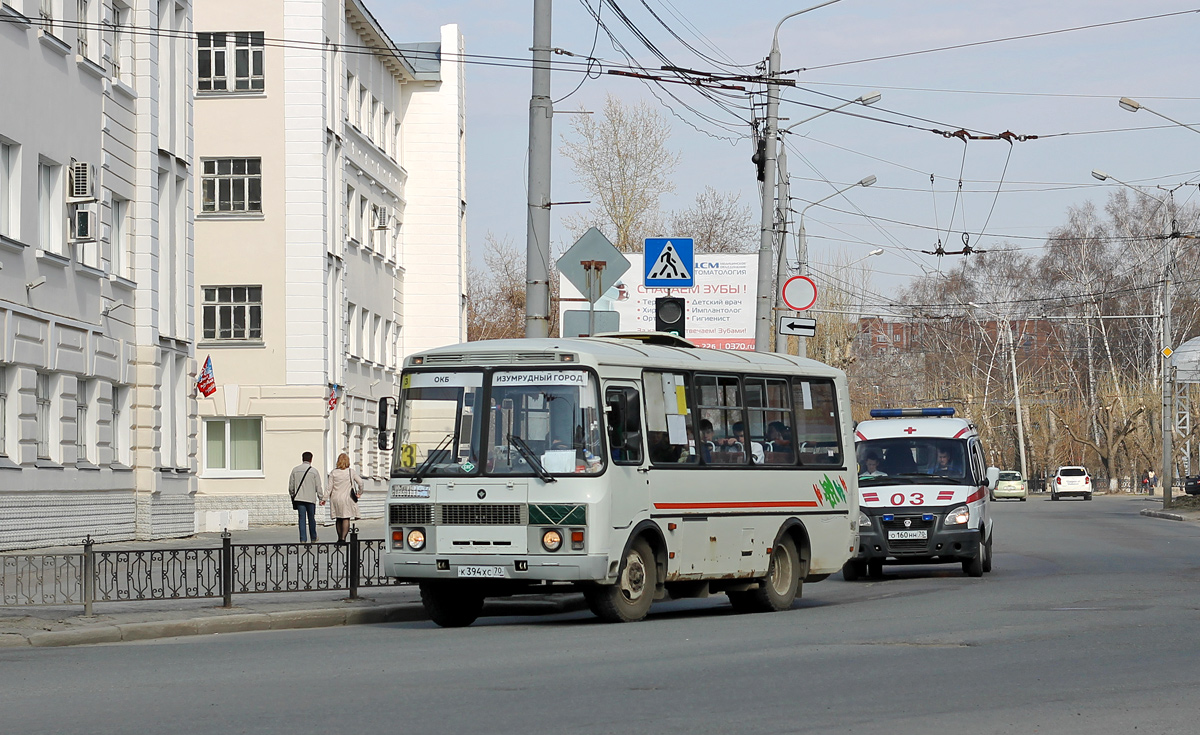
{"x": 233, "y": 313}
{"x": 42, "y": 402}
{"x": 212, "y": 63}
{"x": 231, "y": 185}
{"x": 3, "y": 411}
{"x": 82, "y": 427}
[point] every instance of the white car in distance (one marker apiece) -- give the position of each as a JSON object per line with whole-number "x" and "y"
{"x": 1071, "y": 481}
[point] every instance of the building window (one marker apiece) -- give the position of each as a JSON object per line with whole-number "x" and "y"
{"x": 233, "y": 313}
{"x": 233, "y": 446}
{"x": 50, "y": 208}
{"x": 232, "y": 185}
{"x": 116, "y": 443}
{"x": 214, "y": 51}
{"x": 46, "y": 11}
{"x": 41, "y": 396}
{"x": 3, "y": 411}
{"x": 121, "y": 61}
{"x": 83, "y": 28}
{"x": 119, "y": 239}
{"x": 82, "y": 427}
{"x": 8, "y": 155}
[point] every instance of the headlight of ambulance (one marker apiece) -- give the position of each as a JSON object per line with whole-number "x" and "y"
{"x": 552, "y": 540}
{"x": 416, "y": 539}
{"x": 864, "y": 521}
{"x": 958, "y": 516}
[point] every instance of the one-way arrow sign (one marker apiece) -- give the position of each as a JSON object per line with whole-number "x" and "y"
{"x": 797, "y": 326}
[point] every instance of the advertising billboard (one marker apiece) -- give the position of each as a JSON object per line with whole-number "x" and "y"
{"x": 719, "y": 308}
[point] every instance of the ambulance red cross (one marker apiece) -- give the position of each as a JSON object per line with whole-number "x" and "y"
{"x": 923, "y": 492}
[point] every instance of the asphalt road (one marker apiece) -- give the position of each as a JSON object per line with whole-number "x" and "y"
{"x": 1089, "y": 624}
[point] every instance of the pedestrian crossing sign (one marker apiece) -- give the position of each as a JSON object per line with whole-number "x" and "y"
{"x": 669, "y": 262}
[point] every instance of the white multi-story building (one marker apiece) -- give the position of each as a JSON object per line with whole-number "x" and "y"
{"x": 330, "y": 236}
{"x": 97, "y": 431}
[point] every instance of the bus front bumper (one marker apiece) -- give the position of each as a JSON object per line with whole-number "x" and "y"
{"x": 516, "y": 568}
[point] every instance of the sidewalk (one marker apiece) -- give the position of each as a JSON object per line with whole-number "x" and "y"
{"x": 150, "y": 619}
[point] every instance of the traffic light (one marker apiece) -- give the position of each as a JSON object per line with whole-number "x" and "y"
{"x": 760, "y": 158}
{"x": 668, "y": 315}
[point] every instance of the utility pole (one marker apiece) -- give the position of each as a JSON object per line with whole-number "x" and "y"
{"x": 1168, "y": 384}
{"x": 764, "y": 316}
{"x": 537, "y": 238}
{"x": 1012, "y": 353}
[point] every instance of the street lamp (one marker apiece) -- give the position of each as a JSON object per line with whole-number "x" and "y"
{"x": 876, "y": 251}
{"x": 1012, "y": 355}
{"x": 764, "y": 317}
{"x": 1134, "y": 106}
{"x": 867, "y": 99}
{"x": 802, "y": 245}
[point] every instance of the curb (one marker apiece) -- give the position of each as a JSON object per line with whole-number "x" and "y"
{"x": 234, "y": 623}
{"x": 1160, "y": 514}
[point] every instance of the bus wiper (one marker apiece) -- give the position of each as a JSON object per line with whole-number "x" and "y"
{"x": 424, "y": 466}
{"x": 531, "y": 458}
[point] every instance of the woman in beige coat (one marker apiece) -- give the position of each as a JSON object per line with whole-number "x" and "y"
{"x": 337, "y": 489}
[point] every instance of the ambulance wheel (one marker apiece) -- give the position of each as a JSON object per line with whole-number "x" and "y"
{"x": 987, "y": 556}
{"x": 1053, "y": 495}
{"x": 1087, "y": 497}
{"x": 973, "y": 567}
{"x": 854, "y": 570}
{"x": 629, "y": 599}
{"x": 875, "y": 568}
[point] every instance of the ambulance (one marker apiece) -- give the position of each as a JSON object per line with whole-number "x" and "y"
{"x": 923, "y": 492}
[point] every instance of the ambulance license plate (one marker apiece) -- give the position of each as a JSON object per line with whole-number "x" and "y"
{"x": 894, "y": 535}
{"x": 484, "y": 572}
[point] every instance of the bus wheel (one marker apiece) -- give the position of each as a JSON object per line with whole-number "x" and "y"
{"x": 451, "y": 605}
{"x": 777, "y": 591}
{"x": 629, "y": 599}
{"x": 854, "y": 570}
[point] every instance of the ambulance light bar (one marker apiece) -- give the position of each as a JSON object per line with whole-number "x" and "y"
{"x": 891, "y": 413}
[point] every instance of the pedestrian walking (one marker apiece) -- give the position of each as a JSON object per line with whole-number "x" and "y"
{"x": 304, "y": 486}
{"x": 1145, "y": 486}
{"x": 343, "y": 488}
{"x": 1153, "y": 481}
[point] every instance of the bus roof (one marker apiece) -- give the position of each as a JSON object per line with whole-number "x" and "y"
{"x": 946, "y": 428}
{"x": 615, "y": 351}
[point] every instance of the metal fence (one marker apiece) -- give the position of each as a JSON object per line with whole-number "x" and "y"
{"x": 175, "y": 574}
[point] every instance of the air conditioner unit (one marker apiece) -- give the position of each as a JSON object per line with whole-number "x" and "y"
{"x": 83, "y": 182}
{"x": 381, "y": 218}
{"x": 83, "y": 225}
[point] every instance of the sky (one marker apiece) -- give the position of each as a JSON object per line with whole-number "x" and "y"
{"x": 1058, "y": 90}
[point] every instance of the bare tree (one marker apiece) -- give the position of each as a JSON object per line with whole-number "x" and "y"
{"x": 621, "y": 159}
{"x": 496, "y": 292}
{"x": 718, "y": 222}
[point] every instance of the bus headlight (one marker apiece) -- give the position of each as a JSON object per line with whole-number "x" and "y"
{"x": 864, "y": 521}
{"x": 416, "y": 539}
{"x": 551, "y": 540}
{"x": 958, "y": 516}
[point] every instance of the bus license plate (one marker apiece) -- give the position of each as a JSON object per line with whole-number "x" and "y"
{"x": 485, "y": 572}
{"x": 922, "y": 533}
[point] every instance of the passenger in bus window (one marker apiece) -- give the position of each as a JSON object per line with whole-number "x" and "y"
{"x": 780, "y": 436}
{"x": 756, "y": 448}
{"x": 707, "y": 445}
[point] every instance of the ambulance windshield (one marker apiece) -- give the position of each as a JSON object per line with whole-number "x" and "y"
{"x": 918, "y": 459}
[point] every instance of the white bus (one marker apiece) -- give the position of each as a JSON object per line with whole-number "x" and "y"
{"x": 629, "y": 467}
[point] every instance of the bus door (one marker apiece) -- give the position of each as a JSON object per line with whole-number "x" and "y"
{"x": 628, "y": 488}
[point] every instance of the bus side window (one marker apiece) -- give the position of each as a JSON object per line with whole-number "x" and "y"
{"x": 817, "y": 435}
{"x": 669, "y": 417}
{"x": 624, "y": 425}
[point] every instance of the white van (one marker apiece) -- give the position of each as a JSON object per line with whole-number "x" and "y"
{"x": 923, "y": 492}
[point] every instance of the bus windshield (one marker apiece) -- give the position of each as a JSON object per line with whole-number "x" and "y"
{"x": 539, "y": 422}
{"x": 437, "y": 432}
{"x": 908, "y": 460}
{"x": 544, "y": 421}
